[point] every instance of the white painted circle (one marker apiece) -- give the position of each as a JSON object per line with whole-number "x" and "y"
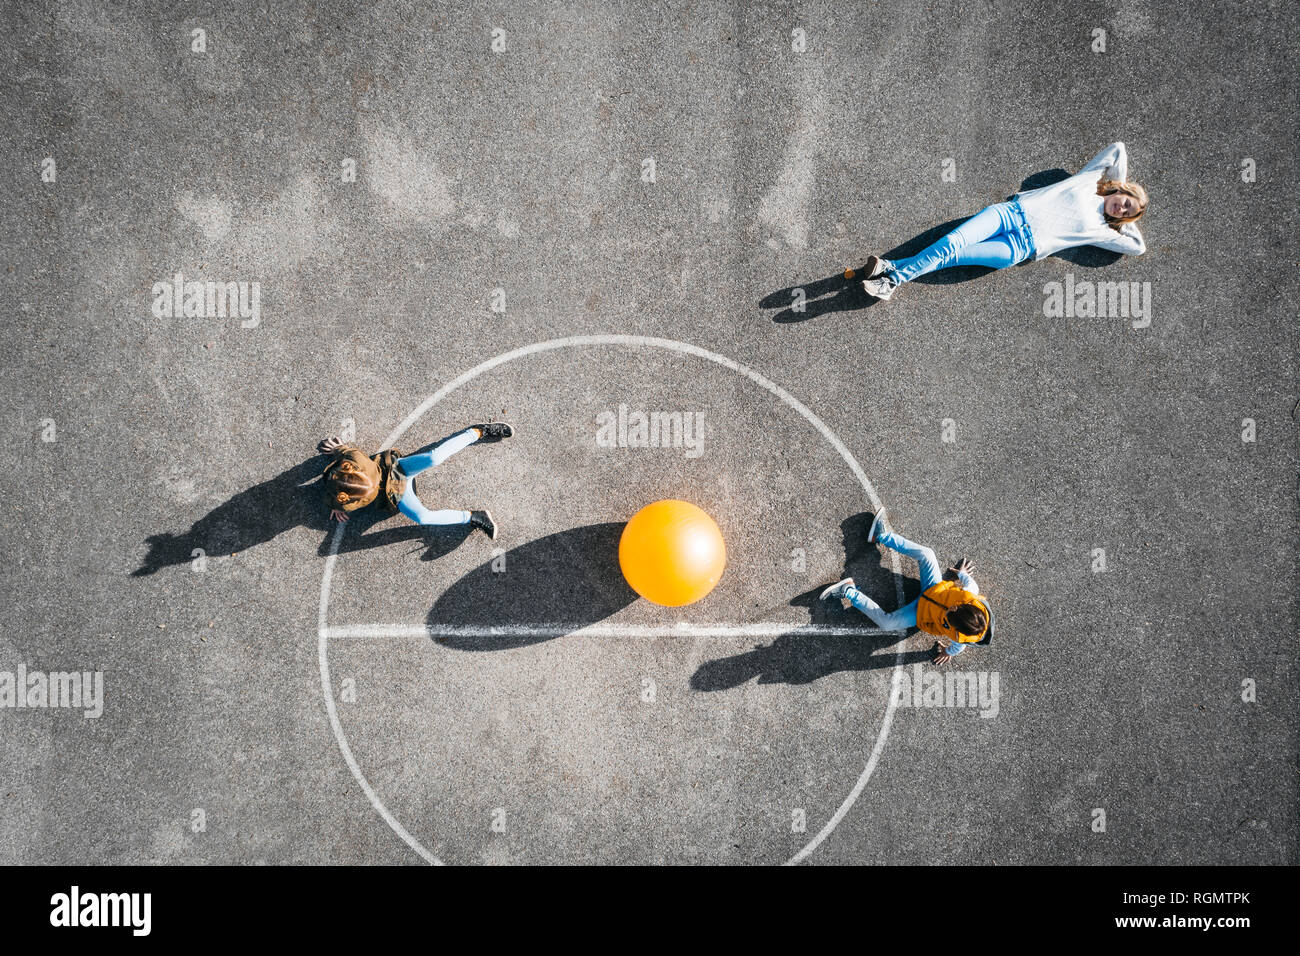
{"x": 322, "y": 629}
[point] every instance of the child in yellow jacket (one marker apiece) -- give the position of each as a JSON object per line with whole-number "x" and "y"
{"x": 949, "y": 606}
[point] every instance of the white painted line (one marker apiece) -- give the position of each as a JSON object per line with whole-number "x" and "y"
{"x": 322, "y": 648}
{"x": 542, "y": 631}
{"x": 867, "y": 771}
{"x": 323, "y": 631}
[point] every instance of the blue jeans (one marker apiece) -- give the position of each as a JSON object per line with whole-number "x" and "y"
{"x": 904, "y": 617}
{"x": 996, "y": 237}
{"x": 412, "y": 465}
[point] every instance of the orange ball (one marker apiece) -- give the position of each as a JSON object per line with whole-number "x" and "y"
{"x": 672, "y": 553}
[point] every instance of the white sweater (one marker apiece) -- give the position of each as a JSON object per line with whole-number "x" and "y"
{"x": 1069, "y": 213}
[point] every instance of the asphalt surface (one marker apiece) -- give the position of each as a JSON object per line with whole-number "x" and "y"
{"x": 523, "y": 732}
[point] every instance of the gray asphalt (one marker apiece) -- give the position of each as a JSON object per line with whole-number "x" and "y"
{"x": 522, "y": 170}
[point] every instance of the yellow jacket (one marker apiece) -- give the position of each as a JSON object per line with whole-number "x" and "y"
{"x": 937, "y": 601}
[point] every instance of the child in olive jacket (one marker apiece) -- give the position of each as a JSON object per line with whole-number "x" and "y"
{"x": 355, "y": 480}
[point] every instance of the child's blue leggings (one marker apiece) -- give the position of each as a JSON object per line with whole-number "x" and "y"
{"x": 412, "y": 465}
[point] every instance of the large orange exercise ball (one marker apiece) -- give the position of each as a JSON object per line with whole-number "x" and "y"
{"x": 672, "y": 553}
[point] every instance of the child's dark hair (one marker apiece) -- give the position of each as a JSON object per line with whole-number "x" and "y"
{"x": 969, "y": 619}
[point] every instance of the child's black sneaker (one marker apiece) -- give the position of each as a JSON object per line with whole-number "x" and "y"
{"x": 494, "y": 431}
{"x": 482, "y": 520}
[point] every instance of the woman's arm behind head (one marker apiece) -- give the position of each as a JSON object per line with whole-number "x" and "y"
{"x": 1128, "y": 240}
{"x": 1110, "y": 163}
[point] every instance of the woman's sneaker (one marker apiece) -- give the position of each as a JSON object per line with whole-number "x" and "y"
{"x": 876, "y": 267}
{"x": 483, "y": 521}
{"x": 494, "y": 431}
{"x": 881, "y": 288}
{"x": 837, "y": 590}
{"x": 874, "y": 530}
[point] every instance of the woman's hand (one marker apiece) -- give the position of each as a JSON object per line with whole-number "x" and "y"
{"x": 329, "y": 445}
{"x": 340, "y": 516}
{"x": 964, "y": 565}
{"x": 941, "y": 655}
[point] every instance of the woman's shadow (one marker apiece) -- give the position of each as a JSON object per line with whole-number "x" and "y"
{"x": 837, "y": 294}
{"x": 536, "y": 592}
{"x": 804, "y": 658}
{"x": 291, "y": 499}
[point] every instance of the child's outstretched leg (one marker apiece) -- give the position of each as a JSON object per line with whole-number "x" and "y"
{"x": 899, "y": 620}
{"x": 931, "y": 573}
{"x": 412, "y": 465}
{"x": 414, "y": 508}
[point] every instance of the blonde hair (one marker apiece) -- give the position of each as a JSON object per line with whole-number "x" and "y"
{"x": 1107, "y": 187}
{"x": 348, "y": 483}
